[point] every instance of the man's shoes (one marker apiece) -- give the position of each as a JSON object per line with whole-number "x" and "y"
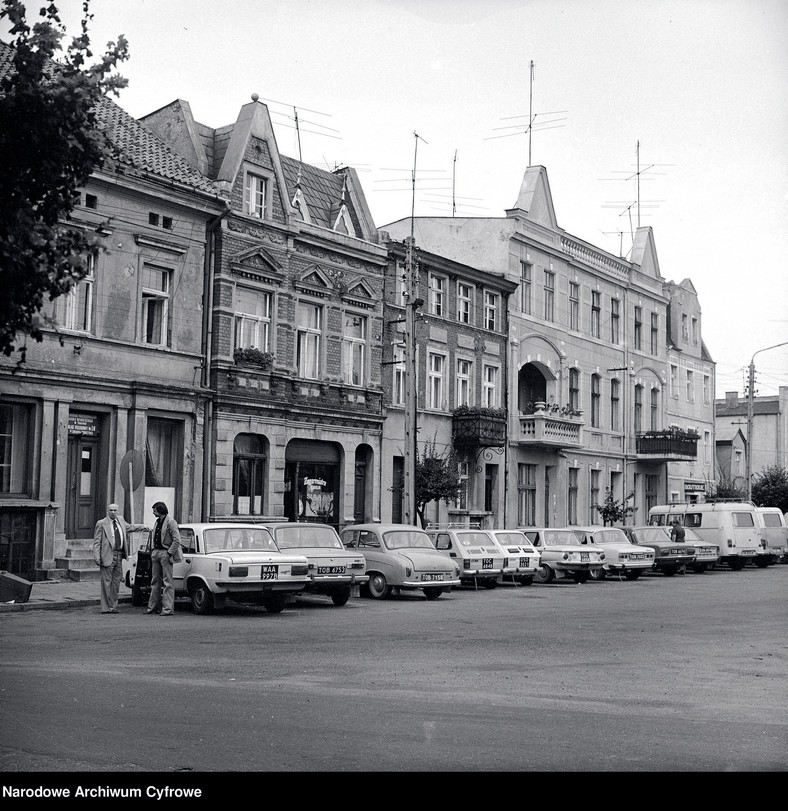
{"x": 152, "y": 611}
{"x": 111, "y": 611}
{"x": 167, "y": 614}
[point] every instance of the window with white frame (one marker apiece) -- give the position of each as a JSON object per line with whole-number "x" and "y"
{"x": 690, "y": 387}
{"x": 462, "y": 383}
{"x": 526, "y": 495}
{"x": 309, "y": 333}
{"x": 155, "y": 305}
{"x": 252, "y": 319}
{"x": 595, "y": 400}
{"x": 549, "y": 296}
{"x": 638, "y": 409}
{"x": 694, "y": 331}
{"x": 79, "y": 300}
{"x": 615, "y": 403}
{"x": 16, "y": 424}
{"x": 654, "y": 333}
{"x": 685, "y": 327}
{"x": 398, "y": 393}
{"x": 354, "y": 349}
{"x": 706, "y": 389}
{"x": 437, "y": 291}
{"x": 491, "y": 301}
{"x": 638, "y": 327}
{"x": 255, "y": 195}
{"x": 464, "y": 303}
{"x": 572, "y": 496}
{"x": 706, "y": 446}
{"x": 490, "y": 386}
{"x": 615, "y": 313}
{"x": 435, "y": 380}
{"x": 596, "y": 310}
{"x": 574, "y": 306}
{"x": 674, "y": 380}
{"x": 654, "y": 420}
{"x": 574, "y": 389}
{"x": 525, "y": 287}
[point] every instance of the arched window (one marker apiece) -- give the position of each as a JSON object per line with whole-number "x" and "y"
{"x": 249, "y": 465}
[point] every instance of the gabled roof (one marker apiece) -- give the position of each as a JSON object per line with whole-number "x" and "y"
{"x": 142, "y": 152}
{"x": 644, "y": 252}
{"x": 535, "y": 199}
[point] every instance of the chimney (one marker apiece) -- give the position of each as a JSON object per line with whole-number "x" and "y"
{"x": 731, "y": 399}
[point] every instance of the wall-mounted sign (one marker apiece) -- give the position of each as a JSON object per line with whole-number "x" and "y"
{"x": 694, "y": 487}
{"x": 83, "y": 424}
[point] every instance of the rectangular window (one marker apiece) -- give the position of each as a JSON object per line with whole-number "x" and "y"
{"x": 614, "y": 404}
{"x": 549, "y": 296}
{"x": 252, "y": 319}
{"x": 15, "y": 449}
{"x": 654, "y": 421}
{"x": 490, "y": 487}
{"x": 309, "y": 332}
{"x": 490, "y": 310}
{"x": 706, "y": 446}
{"x": 615, "y": 312}
{"x": 574, "y": 389}
{"x": 596, "y": 308}
{"x": 354, "y": 349}
{"x": 690, "y": 387}
{"x": 638, "y": 328}
{"x": 461, "y": 502}
{"x": 594, "y": 497}
{"x": 490, "y": 387}
{"x": 654, "y": 333}
{"x": 255, "y": 196}
{"x": 79, "y": 300}
{"x": 402, "y": 285}
{"x": 437, "y": 287}
{"x": 162, "y": 452}
{"x": 155, "y": 305}
{"x": 463, "y": 382}
{"x": 652, "y": 486}
{"x": 684, "y": 327}
{"x": 574, "y": 306}
{"x": 525, "y": 287}
{"x": 526, "y": 495}
{"x": 399, "y": 384}
{"x": 706, "y": 389}
{"x": 435, "y": 383}
{"x": 595, "y": 395}
{"x": 638, "y": 409}
{"x": 464, "y": 303}
{"x": 694, "y": 331}
{"x": 572, "y": 496}
{"x": 674, "y": 381}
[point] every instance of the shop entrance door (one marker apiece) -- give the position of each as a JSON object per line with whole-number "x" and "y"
{"x": 83, "y": 486}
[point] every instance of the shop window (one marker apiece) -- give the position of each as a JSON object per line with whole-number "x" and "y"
{"x": 15, "y": 448}
{"x": 249, "y": 467}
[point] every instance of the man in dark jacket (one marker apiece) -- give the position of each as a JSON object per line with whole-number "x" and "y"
{"x": 166, "y": 550}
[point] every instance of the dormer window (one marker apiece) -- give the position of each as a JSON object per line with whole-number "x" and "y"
{"x": 343, "y": 223}
{"x": 256, "y": 196}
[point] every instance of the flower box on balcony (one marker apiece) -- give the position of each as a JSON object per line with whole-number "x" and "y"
{"x": 253, "y": 357}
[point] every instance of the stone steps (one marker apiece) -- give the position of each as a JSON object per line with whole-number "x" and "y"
{"x": 77, "y": 563}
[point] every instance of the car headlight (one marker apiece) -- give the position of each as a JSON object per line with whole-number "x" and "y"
{"x": 601, "y": 555}
{"x": 408, "y": 571}
{"x": 239, "y": 571}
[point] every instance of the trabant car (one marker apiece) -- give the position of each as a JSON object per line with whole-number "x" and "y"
{"x": 621, "y": 556}
{"x": 706, "y": 553}
{"x": 562, "y": 557}
{"x": 523, "y": 555}
{"x": 481, "y": 560}
{"x": 333, "y": 570}
{"x": 669, "y": 556}
{"x": 400, "y": 558}
{"x": 237, "y": 562}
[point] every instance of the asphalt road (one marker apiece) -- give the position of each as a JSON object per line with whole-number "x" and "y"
{"x": 661, "y": 674}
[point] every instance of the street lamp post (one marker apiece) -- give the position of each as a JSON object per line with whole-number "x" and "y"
{"x": 750, "y": 397}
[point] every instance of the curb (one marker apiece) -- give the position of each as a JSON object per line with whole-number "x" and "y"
{"x": 55, "y": 604}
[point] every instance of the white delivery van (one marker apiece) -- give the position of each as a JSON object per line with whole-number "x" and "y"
{"x": 734, "y": 526}
{"x": 775, "y": 533}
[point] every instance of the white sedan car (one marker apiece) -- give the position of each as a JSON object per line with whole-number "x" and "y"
{"x": 621, "y": 556}
{"x": 524, "y": 557}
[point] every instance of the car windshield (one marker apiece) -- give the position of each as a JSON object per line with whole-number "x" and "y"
{"x": 610, "y": 536}
{"x": 407, "y": 539}
{"x": 651, "y": 534}
{"x": 507, "y": 538}
{"x": 475, "y": 539}
{"x": 232, "y": 538}
{"x": 557, "y": 538}
{"x": 312, "y": 535}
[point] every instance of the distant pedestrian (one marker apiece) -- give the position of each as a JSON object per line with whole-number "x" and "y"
{"x": 110, "y": 549}
{"x": 166, "y": 551}
{"x": 677, "y": 531}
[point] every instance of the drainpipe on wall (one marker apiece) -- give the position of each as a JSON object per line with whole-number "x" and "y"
{"x": 207, "y": 332}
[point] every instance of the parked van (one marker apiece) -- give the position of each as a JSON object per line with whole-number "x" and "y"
{"x": 734, "y": 526}
{"x": 775, "y": 533}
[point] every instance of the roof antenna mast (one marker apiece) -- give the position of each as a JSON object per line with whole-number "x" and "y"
{"x": 298, "y": 133}
{"x": 530, "y": 111}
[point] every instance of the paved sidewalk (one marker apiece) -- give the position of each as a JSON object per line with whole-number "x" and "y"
{"x": 64, "y": 593}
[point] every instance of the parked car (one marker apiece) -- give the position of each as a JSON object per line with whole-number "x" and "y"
{"x": 562, "y": 557}
{"x": 481, "y": 560}
{"x": 669, "y": 556}
{"x": 523, "y": 555}
{"x": 706, "y": 553}
{"x": 401, "y": 557}
{"x": 775, "y": 533}
{"x": 333, "y": 570}
{"x": 621, "y": 556}
{"x": 237, "y": 562}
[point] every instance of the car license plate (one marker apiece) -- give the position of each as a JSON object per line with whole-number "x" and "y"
{"x": 270, "y": 572}
{"x": 432, "y": 576}
{"x": 330, "y": 569}
{"x": 584, "y": 556}
{"x": 487, "y": 563}
{"x": 638, "y": 557}
{"x": 523, "y": 563}
{"x": 747, "y": 552}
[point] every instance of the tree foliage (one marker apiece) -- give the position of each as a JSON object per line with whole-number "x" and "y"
{"x": 770, "y": 488}
{"x": 51, "y": 141}
{"x": 437, "y": 477}
{"x": 725, "y": 487}
{"x": 614, "y": 510}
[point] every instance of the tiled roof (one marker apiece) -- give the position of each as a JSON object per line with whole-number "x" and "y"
{"x": 322, "y": 191}
{"x": 142, "y": 152}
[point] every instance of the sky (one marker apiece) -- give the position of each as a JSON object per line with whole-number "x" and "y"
{"x": 664, "y": 113}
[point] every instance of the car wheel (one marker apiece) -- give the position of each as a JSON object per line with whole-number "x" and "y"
{"x": 669, "y": 571}
{"x": 137, "y": 596}
{"x": 433, "y": 593}
{"x": 490, "y": 584}
{"x": 379, "y": 589}
{"x": 762, "y": 563}
{"x": 275, "y": 604}
{"x": 737, "y": 564}
{"x": 597, "y": 574}
{"x": 630, "y": 575}
{"x": 527, "y": 580}
{"x": 544, "y": 574}
{"x": 581, "y": 577}
{"x": 202, "y": 598}
{"x": 699, "y": 568}
{"x": 340, "y": 596}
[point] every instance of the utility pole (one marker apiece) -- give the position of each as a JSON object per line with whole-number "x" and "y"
{"x": 750, "y": 398}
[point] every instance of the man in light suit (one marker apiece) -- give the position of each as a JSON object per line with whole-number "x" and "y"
{"x": 110, "y": 548}
{"x": 166, "y": 551}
